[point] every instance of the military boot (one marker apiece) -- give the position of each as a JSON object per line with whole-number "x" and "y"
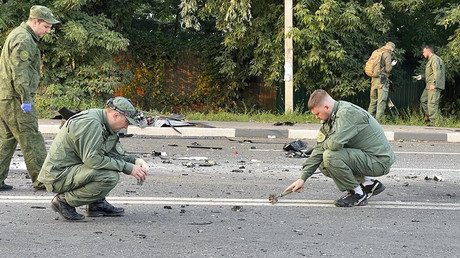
{"x": 6, "y": 187}
{"x": 59, "y": 204}
{"x": 103, "y": 208}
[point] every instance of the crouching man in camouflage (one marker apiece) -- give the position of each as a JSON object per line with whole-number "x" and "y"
{"x": 351, "y": 148}
{"x": 85, "y": 158}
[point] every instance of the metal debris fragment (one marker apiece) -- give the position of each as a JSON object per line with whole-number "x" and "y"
{"x": 237, "y": 208}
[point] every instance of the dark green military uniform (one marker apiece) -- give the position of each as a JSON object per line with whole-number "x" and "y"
{"x": 380, "y": 86}
{"x": 85, "y": 159}
{"x": 351, "y": 144}
{"x": 434, "y": 75}
{"x": 19, "y": 78}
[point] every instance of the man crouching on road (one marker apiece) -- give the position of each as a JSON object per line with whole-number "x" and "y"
{"x": 85, "y": 158}
{"x": 351, "y": 148}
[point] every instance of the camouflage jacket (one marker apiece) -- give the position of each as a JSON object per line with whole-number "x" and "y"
{"x": 435, "y": 73}
{"x": 20, "y": 65}
{"x": 349, "y": 126}
{"x": 86, "y": 138}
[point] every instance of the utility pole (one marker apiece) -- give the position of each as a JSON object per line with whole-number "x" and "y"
{"x": 288, "y": 59}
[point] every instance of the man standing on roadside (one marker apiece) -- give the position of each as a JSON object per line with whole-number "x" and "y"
{"x": 85, "y": 158}
{"x": 19, "y": 78}
{"x": 380, "y": 85}
{"x": 434, "y": 84}
{"x": 351, "y": 148}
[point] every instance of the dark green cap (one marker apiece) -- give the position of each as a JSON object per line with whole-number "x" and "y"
{"x": 125, "y": 107}
{"x": 42, "y": 13}
{"x": 391, "y": 44}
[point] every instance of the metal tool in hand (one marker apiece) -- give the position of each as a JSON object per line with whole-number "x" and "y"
{"x": 273, "y": 198}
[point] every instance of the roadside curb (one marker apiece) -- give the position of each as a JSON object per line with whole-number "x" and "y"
{"x": 263, "y": 133}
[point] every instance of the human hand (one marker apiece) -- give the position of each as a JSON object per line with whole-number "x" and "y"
{"x": 296, "y": 186}
{"x": 142, "y": 163}
{"x": 26, "y": 107}
{"x": 139, "y": 173}
{"x": 394, "y": 62}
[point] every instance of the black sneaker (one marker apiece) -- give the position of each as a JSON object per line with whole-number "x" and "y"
{"x": 60, "y": 205}
{"x": 351, "y": 199}
{"x": 373, "y": 189}
{"x": 103, "y": 208}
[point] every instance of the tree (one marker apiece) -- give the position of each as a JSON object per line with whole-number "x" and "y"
{"x": 78, "y": 65}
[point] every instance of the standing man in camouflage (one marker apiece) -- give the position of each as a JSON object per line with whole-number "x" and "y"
{"x": 435, "y": 83}
{"x": 19, "y": 78}
{"x": 351, "y": 148}
{"x": 85, "y": 158}
{"x": 381, "y": 85}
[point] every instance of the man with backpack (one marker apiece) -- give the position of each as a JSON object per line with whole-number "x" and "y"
{"x": 378, "y": 67}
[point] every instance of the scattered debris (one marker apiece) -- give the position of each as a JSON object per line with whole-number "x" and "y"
{"x": 159, "y": 154}
{"x": 297, "y": 149}
{"x": 237, "y": 208}
{"x": 38, "y": 207}
{"x": 140, "y": 236}
{"x": 200, "y": 223}
{"x": 167, "y": 207}
{"x": 406, "y": 184}
{"x": 435, "y": 178}
{"x": 238, "y": 170}
{"x": 452, "y": 195}
{"x": 297, "y": 145}
{"x": 273, "y": 198}
{"x": 285, "y": 123}
{"x": 271, "y": 136}
{"x": 204, "y": 147}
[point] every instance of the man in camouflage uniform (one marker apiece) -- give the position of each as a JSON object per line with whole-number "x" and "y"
{"x": 435, "y": 83}
{"x": 381, "y": 85}
{"x": 19, "y": 78}
{"x": 85, "y": 159}
{"x": 351, "y": 148}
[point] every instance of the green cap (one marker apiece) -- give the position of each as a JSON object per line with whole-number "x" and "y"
{"x": 391, "y": 44}
{"x": 42, "y": 13}
{"x": 125, "y": 107}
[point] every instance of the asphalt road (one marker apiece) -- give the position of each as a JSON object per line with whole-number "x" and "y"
{"x": 192, "y": 208}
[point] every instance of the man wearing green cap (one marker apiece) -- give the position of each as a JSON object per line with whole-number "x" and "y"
{"x": 19, "y": 78}
{"x": 85, "y": 158}
{"x": 380, "y": 85}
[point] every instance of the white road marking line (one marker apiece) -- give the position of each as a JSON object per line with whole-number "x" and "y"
{"x": 427, "y": 153}
{"x": 426, "y": 169}
{"x": 246, "y": 202}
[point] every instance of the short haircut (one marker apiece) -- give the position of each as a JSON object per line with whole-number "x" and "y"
{"x": 316, "y": 98}
{"x": 429, "y": 48}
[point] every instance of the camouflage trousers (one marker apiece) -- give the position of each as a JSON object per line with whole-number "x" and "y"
{"x": 16, "y": 127}
{"x": 347, "y": 167}
{"x": 429, "y": 102}
{"x": 379, "y": 97}
{"x": 83, "y": 185}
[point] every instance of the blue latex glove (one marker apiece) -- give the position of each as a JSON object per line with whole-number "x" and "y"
{"x": 26, "y": 107}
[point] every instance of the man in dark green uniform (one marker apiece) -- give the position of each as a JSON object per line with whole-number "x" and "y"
{"x": 85, "y": 158}
{"x": 435, "y": 83}
{"x": 19, "y": 78}
{"x": 380, "y": 85}
{"x": 351, "y": 148}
